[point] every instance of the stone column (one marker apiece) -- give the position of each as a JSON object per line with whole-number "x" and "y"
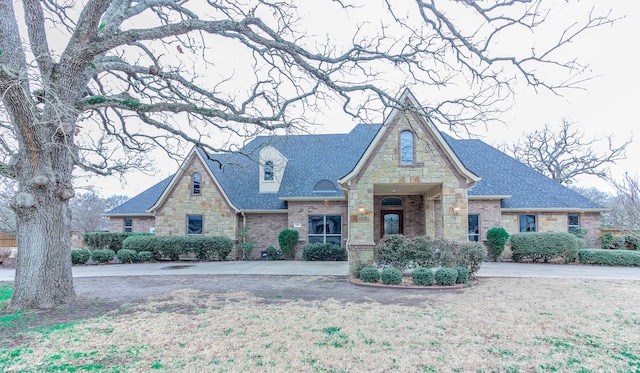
{"x": 430, "y": 217}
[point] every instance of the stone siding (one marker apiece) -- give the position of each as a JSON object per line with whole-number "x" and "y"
{"x": 219, "y": 218}
{"x": 489, "y": 215}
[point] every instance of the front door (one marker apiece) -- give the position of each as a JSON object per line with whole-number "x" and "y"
{"x": 392, "y": 222}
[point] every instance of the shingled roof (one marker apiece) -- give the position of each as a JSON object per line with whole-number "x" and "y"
{"x": 312, "y": 158}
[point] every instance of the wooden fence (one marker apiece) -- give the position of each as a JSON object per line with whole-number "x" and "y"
{"x": 8, "y": 241}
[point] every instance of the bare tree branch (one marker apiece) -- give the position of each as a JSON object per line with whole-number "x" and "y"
{"x": 565, "y": 154}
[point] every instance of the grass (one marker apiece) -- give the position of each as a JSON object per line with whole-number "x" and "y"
{"x": 501, "y": 325}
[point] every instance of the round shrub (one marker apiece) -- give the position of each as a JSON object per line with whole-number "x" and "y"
{"x": 145, "y": 256}
{"x": 102, "y": 255}
{"x": 127, "y": 256}
{"x": 463, "y": 275}
{"x": 422, "y": 276}
{"x": 496, "y": 239}
{"x": 323, "y": 252}
{"x": 391, "y": 276}
{"x": 446, "y": 276}
{"x": 369, "y": 274}
{"x": 273, "y": 253}
{"x": 80, "y": 256}
{"x": 288, "y": 240}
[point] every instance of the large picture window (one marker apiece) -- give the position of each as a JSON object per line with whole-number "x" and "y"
{"x": 194, "y": 224}
{"x": 527, "y": 223}
{"x": 325, "y": 229}
{"x": 406, "y": 148}
{"x": 128, "y": 225}
{"x": 474, "y": 227}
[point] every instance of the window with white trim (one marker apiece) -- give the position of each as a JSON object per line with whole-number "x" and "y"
{"x": 325, "y": 229}
{"x": 527, "y": 223}
{"x": 196, "y": 180}
{"x": 406, "y": 148}
{"x": 194, "y": 224}
{"x": 474, "y": 227}
{"x": 268, "y": 171}
{"x": 573, "y": 221}
{"x": 128, "y": 224}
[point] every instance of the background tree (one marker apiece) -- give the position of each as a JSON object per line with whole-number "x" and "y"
{"x": 7, "y": 217}
{"x": 87, "y": 209}
{"x": 565, "y": 154}
{"x": 626, "y": 213}
{"x": 94, "y": 85}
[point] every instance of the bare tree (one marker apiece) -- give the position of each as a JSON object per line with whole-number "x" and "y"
{"x": 626, "y": 214}
{"x": 565, "y": 154}
{"x": 93, "y": 85}
{"x": 7, "y": 216}
{"x": 86, "y": 212}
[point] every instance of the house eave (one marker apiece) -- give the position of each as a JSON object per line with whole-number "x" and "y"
{"x": 552, "y": 209}
{"x": 137, "y": 214}
{"x": 312, "y": 199}
{"x": 278, "y": 211}
{"x": 488, "y": 197}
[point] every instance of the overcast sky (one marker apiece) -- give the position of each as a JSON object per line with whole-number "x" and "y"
{"x": 606, "y": 106}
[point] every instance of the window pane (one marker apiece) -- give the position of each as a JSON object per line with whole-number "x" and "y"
{"x": 391, "y": 224}
{"x": 316, "y": 239}
{"x": 406, "y": 148}
{"x": 334, "y": 239}
{"x": 316, "y": 224}
{"x": 473, "y": 227}
{"x": 268, "y": 170}
{"x": 194, "y": 224}
{"x": 527, "y": 223}
{"x": 196, "y": 183}
{"x": 128, "y": 225}
{"x": 333, "y": 225}
{"x": 574, "y": 220}
{"x": 391, "y": 201}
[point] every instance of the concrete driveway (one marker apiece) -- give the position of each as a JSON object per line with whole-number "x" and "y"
{"x": 300, "y": 268}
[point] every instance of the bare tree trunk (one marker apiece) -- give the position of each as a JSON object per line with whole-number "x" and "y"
{"x": 43, "y": 272}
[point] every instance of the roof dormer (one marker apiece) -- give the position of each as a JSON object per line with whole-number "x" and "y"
{"x": 272, "y": 165}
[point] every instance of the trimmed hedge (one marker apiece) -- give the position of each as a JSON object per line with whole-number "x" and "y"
{"x": 626, "y": 258}
{"x": 544, "y": 246}
{"x": 446, "y": 276}
{"x": 145, "y": 256}
{"x": 127, "y": 256}
{"x": 496, "y": 239}
{"x": 80, "y": 256}
{"x": 323, "y": 252}
{"x": 422, "y": 276}
{"x": 400, "y": 252}
{"x": 102, "y": 255}
{"x": 391, "y": 276}
{"x": 172, "y": 247}
{"x": 369, "y": 274}
{"x": 109, "y": 240}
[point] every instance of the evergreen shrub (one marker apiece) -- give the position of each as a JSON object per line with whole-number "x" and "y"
{"x": 323, "y": 252}
{"x": 496, "y": 239}
{"x": 80, "y": 256}
{"x": 127, "y": 256}
{"x": 626, "y": 258}
{"x": 108, "y": 240}
{"x": 145, "y": 256}
{"x": 369, "y": 274}
{"x": 463, "y": 275}
{"x": 544, "y": 246}
{"x": 102, "y": 255}
{"x": 391, "y": 276}
{"x": 288, "y": 240}
{"x": 446, "y": 276}
{"x": 422, "y": 276}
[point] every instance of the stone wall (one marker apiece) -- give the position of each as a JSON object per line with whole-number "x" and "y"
{"x": 489, "y": 215}
{"x": 219, "y": 219}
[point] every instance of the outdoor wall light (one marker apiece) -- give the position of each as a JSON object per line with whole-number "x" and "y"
{"x": 361, "y": 209}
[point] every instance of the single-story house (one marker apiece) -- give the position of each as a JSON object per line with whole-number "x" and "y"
{"x": 402, "y": 176}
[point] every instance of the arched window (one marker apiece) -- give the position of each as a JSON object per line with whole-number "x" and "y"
{"x": 268, "y": 170}
{"x": 195, "y": 183}
{"x": 324, "y": 186}
{"x": 406, "y": 148}
{"x": 391, "y": 201}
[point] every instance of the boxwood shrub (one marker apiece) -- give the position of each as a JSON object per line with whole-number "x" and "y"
{"x": 323, "y": 251}
{"x": 80, "y": 256}
{"x": 102, "y": 255}
{"x": 446, "y": 276}
{"x": 422, "y": 276}
{"x": 127, "y": 256}
{"x": 288, "y": 241}
{"x": 544, "y": 246}
{"x": 172, "y": 247}
{"x": 145, "y": 256}
{"x": 369, "y": 274}
{"x": 463, "y": 275}
{"x": 609, "y": 257}
{"x": 391, "y": 276}
{"x": 496, "y": 239}
{"x": 108, "y": 240}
